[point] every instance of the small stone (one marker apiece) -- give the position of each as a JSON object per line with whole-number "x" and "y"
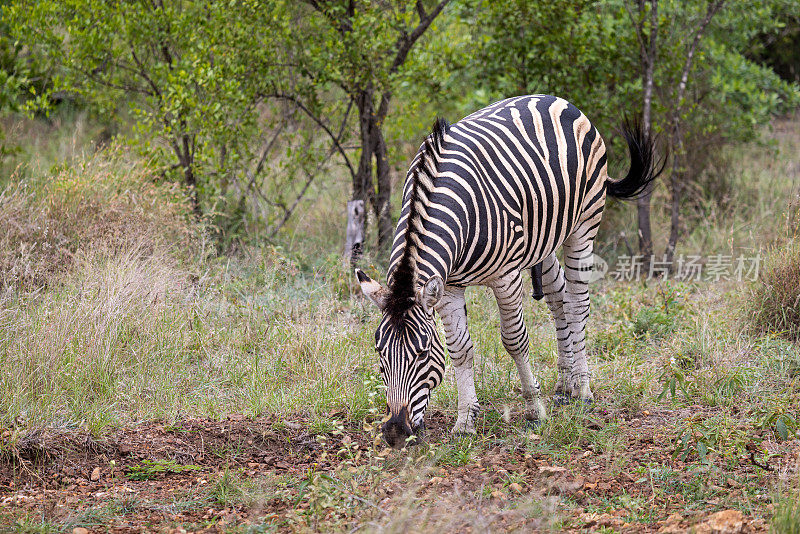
{"x": 516, "y": 488}
{"x": 674, "y": 518}
{"x": 551, "y": 469}
{"x": 79, "y": 530}
{"x": 95, "y": 476}
{"x": 724, "y": 522}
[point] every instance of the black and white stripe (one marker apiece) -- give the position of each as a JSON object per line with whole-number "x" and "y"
{"x": 486, "y": 198}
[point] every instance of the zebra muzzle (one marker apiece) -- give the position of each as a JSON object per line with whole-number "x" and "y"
{"x": 397, "y": 429}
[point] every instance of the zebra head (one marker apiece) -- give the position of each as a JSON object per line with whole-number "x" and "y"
{"x": 411, "y": 355}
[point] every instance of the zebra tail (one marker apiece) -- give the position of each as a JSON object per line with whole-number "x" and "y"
{"x": 644, "y": 168}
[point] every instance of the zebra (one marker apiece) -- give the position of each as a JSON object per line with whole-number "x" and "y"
{"x": 484, "y": 199}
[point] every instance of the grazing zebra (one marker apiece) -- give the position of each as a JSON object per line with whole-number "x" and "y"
{"x": 485, "y": 198}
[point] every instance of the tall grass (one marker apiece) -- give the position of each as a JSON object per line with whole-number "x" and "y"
{"x": 112, "y": 312}
{"x": 134, "y": 336}
{"x": 100, "y": 204}
{"x": 774, "y": 303}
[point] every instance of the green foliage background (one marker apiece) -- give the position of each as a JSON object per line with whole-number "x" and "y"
{"x": 197, "y": 87}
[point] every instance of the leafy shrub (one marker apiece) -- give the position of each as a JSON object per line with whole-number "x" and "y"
{"x": 653, "y": 321}
{"x": 101, "y": 204}
{"x": 773, "y": 305}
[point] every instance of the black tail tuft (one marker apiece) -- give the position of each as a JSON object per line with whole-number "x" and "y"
{"x": 644, "y": 165}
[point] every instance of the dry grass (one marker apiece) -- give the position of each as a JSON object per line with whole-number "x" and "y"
{"x": 774, "y": 303}
{"x": 103, "y": 204}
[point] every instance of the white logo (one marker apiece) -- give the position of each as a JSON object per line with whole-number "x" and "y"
{"x": 599, "y": 268}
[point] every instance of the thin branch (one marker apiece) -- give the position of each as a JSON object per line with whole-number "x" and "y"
{"x": 713, "y": 7}
{"x": 403, "y": 46}
{"x": 421, "y": 10}
{"x": 112, "y": 85}
{"x": 637, "y": 24}
{"x": 268, "y": 149}
{"x": 765, "y": 467}
{"x": 143, "y": 74}
{"x": 336, "y": 142}
{"x": 288, "y": 212}
{"x": 343, "y": 25}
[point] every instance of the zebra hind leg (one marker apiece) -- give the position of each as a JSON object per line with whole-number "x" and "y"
{"x": 553, "y": 287}
{"x": 508, "y": 292}
{"x": 578, "y": 260}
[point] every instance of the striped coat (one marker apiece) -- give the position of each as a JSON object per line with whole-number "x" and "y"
{"x": 486, "y": 198}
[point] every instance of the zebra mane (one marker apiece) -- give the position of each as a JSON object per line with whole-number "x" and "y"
{"x": 402, "y": 287}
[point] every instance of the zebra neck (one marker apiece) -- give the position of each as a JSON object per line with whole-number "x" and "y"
{"x": 426, "y": 261}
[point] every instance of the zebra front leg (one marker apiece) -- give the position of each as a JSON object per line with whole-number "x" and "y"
{"x": 508, "y": 292}
{"x": 453, "y": 310}
{"x": 553, "y": 286}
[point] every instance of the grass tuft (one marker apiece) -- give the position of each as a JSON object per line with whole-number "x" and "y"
{"x": 774, "y": 303}
{"x": 787, "y": 517}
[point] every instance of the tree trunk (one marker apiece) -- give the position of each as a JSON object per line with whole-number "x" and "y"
{"x": 191, "y": 183}
{"x": 383, "y": 209}
{"x": 354, "y": 242}
{"x": 362, "y": 181}
{"x": 648, "y": 59}
{"x": 373, "y": 145}
{"x": 678, "y": 167}
{"x": 363, "y": 190}
{"x": 675, "y": 178}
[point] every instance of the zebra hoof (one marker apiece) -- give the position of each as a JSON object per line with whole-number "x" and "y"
{"x": 559, "y": 399}
{"x": 534, "y": 425}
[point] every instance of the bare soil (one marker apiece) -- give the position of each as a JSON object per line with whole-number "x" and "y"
{"x": 61, "y": 477}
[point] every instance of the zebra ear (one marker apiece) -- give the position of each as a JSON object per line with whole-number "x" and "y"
{"x": 372, "y": 289}
{"x": 431, "y": 293}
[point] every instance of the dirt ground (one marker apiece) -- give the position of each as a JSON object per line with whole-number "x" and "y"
{"x": 166, "y": 477}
